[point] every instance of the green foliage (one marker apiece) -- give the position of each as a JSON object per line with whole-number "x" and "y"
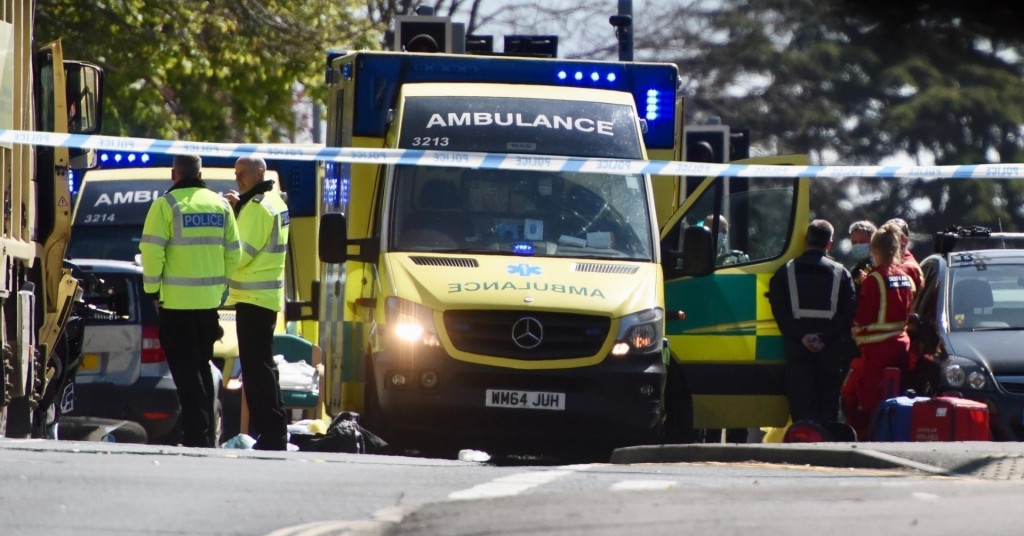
{"x": 860, "y": 82}
{"x": 221, "y": 70}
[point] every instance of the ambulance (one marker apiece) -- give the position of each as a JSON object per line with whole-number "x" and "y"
{"x": 508, "y": 309}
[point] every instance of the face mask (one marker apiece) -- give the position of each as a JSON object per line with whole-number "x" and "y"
{"x": 722, "y": 240}
{"x": 860, "y": 251}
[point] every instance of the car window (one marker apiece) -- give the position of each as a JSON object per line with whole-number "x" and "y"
{"x": 987, "y": 296}
{"x": 114, "y": 242}
{"x": 110, "y": 298}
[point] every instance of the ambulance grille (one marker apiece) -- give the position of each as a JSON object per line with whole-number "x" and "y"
{"x": 444, "y": 261}
{"x": 562, "y": 336}
{"x": 598, "y": 268}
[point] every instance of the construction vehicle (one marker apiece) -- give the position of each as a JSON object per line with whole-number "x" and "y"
{"x": 41, "y": 338}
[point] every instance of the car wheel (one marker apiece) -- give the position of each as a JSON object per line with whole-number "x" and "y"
{"x": 217, "y": 426}
{"x": 123, "y": 432}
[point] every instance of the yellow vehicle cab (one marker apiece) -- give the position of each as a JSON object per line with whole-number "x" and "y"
{"x": 503, "y": 309}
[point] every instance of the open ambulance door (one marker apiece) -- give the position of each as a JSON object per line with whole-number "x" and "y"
{"x": 719, "y": 250}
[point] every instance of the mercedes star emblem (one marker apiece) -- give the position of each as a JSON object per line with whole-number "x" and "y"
{"x": 527, "y": 333}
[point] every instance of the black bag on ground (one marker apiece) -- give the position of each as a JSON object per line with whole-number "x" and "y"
{"x": 344, "y": 434}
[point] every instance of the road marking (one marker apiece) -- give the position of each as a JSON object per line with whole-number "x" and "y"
{"x": 644, "y": 485}
{"x": 381, "y": 519}
{"x": 508, "y": 486}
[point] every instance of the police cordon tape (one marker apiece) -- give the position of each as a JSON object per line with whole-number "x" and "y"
{"x": 533, "y": 162}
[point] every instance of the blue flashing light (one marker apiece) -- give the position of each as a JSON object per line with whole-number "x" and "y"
{"x": 117, "y": 158}
{"x": 594, "y": 76}
{"x": 653, "y": 104}
{"x": 145, "y": 158}
{"x": 523, "y": 248}
{"x": 381, "y": 75}
{"x": 104, "y": 157}
{"x": 131, "y": 158}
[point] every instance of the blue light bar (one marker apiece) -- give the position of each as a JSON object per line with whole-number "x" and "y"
{"x": 523, "y": 248}
{"x": 381, "y": 74}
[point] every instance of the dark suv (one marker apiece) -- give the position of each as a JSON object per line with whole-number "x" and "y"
{"x": 970, "y": 323}
{"x": 124, "y": 372}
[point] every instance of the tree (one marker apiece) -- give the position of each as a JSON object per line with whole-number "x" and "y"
{"x": 857, "y": 82}
{"x": 221, "y": 70}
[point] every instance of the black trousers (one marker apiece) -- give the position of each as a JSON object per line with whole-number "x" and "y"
{"x": 813, "y": 381}
{"x": 268, "y": 421}
{"x": 187, "y": 337}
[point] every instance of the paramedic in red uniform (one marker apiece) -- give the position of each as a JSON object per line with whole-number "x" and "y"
{"x": 909, "y": 261}
{"x": 813, "y": 301}
{"x": 880, "y": 329}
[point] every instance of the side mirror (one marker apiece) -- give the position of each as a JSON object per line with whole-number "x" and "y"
{"x": 698, "y": 251}
{"x": 333, "y": 242}
{"x": 84, "y": 89}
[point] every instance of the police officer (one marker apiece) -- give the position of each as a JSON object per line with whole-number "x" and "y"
{"x": 189, "y": 248}
{"x": 813, "y": 302}
{"x": 257, "y": 291}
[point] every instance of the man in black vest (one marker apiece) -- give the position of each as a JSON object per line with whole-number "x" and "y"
{"x": 813, "y": 300}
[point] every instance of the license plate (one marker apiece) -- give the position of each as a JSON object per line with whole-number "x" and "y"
{"x": 501, "y": 398}
{"x": 90, "y": 362}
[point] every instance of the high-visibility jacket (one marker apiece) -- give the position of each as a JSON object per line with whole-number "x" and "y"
{"x": 263, "y": 235}
{"x": 189, "y": 247}
{"x": 884, "y": 304}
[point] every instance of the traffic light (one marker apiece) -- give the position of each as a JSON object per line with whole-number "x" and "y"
{"x": 707, "y": 143}
{"x": 739, "y": 143}
{"x": 419, "y": 33}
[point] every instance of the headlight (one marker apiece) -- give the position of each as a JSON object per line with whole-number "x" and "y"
{"x": 961, "y": 373}
{"x": 411, "y": 322}
{"x": 640, "y": 332}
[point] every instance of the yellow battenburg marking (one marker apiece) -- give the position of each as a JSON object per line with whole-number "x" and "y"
{"x": 765, "y": 320}
{"x": 735, "y": 411}
{"x": 717, "y": 348}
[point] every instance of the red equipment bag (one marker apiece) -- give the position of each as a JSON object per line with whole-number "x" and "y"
{"x": 949, "y": 418}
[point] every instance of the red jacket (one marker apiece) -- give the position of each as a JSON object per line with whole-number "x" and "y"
{"x": 883, "y": 305}
{"x": 913, "y": 269}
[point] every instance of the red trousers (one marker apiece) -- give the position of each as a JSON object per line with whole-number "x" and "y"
{"x": 863, "y": 389}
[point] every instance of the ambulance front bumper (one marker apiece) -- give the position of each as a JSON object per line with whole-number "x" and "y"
{"x": 616, "y": 402}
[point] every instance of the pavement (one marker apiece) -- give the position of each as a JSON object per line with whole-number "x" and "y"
{"x": 980, "y": 459}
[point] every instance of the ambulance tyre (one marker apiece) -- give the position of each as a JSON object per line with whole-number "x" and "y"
{"x": 372, "y": 418}
{"x": 678, "y": 408}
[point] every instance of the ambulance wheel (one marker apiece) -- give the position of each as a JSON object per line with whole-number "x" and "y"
{"x": 678, "y": 408}
{"x": 373, "y": 418}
